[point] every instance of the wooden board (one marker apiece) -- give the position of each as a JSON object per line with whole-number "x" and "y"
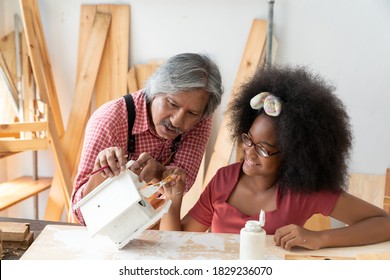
{"x": 17, "y": 190}
{"x": 12, "y": 231}
{"x": 8, "y": 60}
{"x": 254, "y": 48}
{"x": 58, "y": 242}
{"x": 21, "y": 145}
{"x": 369, "y": 187}
{"x": 111, "y": 81}
{"x": 84, "y": 86}
{"x": 318, "y": 222}
{"x": 314, "y": 257}
{"x": 40, "y": 61}
{"x": 132, "y": 85}
{"x": 70, "y": 242}
{"x": 192, "y": 196}
{"x": 10, "y": 99}
{"x": 374, "y": 256}
{"x": 41, "y": 66}
{"x": 23, "y": 244}
{"x": 31, "y": 112}
{"x": 144, "y": 71}
{"x": 79, "y": 114}
{"x": 18, "y": 144}
{"x": 386, "y": 202}
{"x": 138, "y": 74}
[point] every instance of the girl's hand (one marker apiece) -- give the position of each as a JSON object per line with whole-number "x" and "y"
{"x": 292, "y": 235}
{"x": 174, "y": 190}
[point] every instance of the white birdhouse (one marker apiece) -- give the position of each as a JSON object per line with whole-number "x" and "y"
{"x": 116, "y": 209}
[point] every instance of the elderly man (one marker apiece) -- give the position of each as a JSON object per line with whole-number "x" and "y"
{"x": 165, "y": 127}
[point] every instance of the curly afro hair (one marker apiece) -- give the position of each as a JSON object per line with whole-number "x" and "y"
{"x": 313, "y": 129}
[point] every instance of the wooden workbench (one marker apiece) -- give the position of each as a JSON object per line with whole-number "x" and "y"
{"x": 36, "y": 226}
{"x": 61, "y": 242}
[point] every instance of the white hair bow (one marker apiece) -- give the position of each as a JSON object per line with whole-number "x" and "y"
{"x": 271, "y": 104}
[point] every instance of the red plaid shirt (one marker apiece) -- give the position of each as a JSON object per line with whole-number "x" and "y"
{"x": 108, "y": 127}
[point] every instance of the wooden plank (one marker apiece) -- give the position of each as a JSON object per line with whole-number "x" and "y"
{"x": 20, "y": 145}
{"x": 13, "y": 231}
{"x": 9, "y": 135}
{"x": 7, "y": 154}
{"x": 56, "y": 200}
{"x": 10, "y": 107}
{"x": 111, "y": 81}
{"x": 318, "y": 222}
{"x": 255, "y": 46}
{"x": 8, "y": 60}
{"x": 28, "y": 89}
{"x": 132, "y": 80}
{"x": 374, "y": 256}
{"x": 143, "y": 72}
{"x": 8, "y": 76}
{"x": 7, "y": 47}
{"x": 386, "y": 202}
{"x": 85, "y": 84}
{"x": 369, "y": 187}
{"x": 17, "y": 190}
{"x": 79, "y": 115}
{"x": 192, "y": 196}
{"x": 315, "y": 257}
{"x": 24, "y": 244}
{"x": 25, "y": 126}
{"x": 13, "y": 130}
{"x": 41, "y": 65}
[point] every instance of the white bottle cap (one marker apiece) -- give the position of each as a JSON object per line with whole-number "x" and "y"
{"x": 253, "y": 226}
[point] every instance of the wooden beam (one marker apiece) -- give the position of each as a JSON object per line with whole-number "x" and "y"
{"x": 255, "y": 46}
{"x": 28, "y": 84}
{"x": 25, "y": 126}
{"x": 40, "y": 61}
{"x": 41, "y": 66}
{"x": 20, "y": 145}
{"x": 79, "y": 114}
{"x": 13, "y": 231}
{"x": 369, "y": 187}
{"x": 8, "y": 61}
{"x": 85, "y": 84}
{"x": 17, "y": 190}
{"x": 386, "y": 201}
{"x": 111, "y": 81}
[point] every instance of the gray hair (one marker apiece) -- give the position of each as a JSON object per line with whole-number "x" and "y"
{"x": 187, "y": 71}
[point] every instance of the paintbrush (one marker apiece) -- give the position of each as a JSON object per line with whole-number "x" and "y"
{"x": 102, "y": 168}
{"x": 149, "y": 190}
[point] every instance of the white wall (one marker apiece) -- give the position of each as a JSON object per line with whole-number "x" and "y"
{"x": 346, "y": 41}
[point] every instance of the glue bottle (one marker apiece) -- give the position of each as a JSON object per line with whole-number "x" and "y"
{"x": 252, "y": 239}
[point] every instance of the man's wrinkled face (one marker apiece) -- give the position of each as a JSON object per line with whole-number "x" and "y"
{"x": 174, "y": 114}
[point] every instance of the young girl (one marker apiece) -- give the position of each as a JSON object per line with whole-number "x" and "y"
{"x": 296, "y": 139}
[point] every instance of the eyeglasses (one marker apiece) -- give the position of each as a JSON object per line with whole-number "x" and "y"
{"x": 260, "y": 150}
